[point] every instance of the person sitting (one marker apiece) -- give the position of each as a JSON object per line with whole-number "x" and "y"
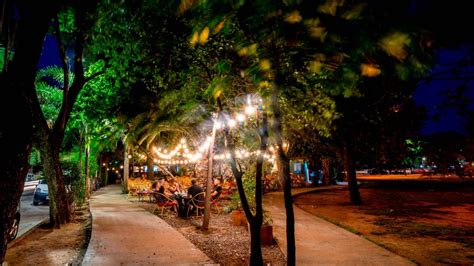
{"x": 161, "y": 198}
{"x": 174, "y": 186}
{"x": 155, "y": 186}
{"x": 217, "y": 189}
{"x": 194, "y": 189}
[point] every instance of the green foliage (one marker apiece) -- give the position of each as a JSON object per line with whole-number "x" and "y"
{"x": 415, "y": 151}
{"x": 2, "y": 58}
{"x": 248, "y": 182}
{"x": 35, "y": 159}
{"x": 66, "y": 20}
{"x": 49, "y": 83}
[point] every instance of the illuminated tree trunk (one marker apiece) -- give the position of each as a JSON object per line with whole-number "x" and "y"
{"x": 59, "y": 205}
{"x": 255, "y": 221}
{"x": 126, "y": 170}
{"x": 86, "y": 165}
{"x": 149, "y": 163}
{"x": 207, "y": 203}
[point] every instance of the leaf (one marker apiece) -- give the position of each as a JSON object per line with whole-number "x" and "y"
{"x": 194, "y": 38}
{"x": 315, "y": 66}
{"x": 370, "y": 70}
{"x": 204, "y": 35}
{"x": 395, "y": 45}
{"x": 330, "y": 7}
{"x": 354, "y": 13}
{"x": 219, "y": 27}
{"x": 264, "y": 65}
{"x": 293, "y": 17}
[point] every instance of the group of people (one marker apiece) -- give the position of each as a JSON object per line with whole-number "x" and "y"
{"x": 173, "y": 192}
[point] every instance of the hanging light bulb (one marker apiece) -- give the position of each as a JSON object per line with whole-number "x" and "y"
{"x": 249, "y": 109}
{"x": 240, "y": 117}
{"x": 232, "y": 123}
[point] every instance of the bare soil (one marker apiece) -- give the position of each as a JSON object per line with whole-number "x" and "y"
{"x": 224, "y": 243}
{"x": 430, "y": 223}
{"x": 47, "y": 246}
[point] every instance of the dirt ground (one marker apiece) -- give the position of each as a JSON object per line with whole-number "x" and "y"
{"x": 45, "y": 246}
{"x": 224, "y": 243}
{"x": 428, "y": 222}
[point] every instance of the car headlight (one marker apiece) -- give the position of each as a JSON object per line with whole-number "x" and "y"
{"x": 38, "y": 189}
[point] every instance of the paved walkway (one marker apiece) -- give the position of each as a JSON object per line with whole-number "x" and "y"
{"x": 320, "y": 242}
{"x": 124, "y": 234}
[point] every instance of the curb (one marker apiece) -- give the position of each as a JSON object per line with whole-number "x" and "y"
{"x": 26, "y": 233}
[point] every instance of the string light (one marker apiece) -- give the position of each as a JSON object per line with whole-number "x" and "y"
{"x": 181, "y": 154}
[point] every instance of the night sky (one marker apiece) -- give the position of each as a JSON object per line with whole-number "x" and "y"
{"x": 431, "y": 95}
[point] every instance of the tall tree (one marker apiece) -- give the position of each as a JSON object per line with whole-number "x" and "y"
{"x": 50, "y": 137}
{"x": 23, "y": 27}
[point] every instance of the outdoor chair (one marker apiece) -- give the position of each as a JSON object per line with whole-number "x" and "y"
{"x": 163, "y": 202}
{"x": 215, "y": 204}
{"x": 197, "y": 203}
{"x": 132, "y": 192}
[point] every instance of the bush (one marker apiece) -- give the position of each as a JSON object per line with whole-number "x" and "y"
{"x": 74, "y": 182}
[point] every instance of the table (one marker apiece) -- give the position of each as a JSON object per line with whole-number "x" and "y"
{"x": 142, "y": 194}
{"x": 183, "y": 200}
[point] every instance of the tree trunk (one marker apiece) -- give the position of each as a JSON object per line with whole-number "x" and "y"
{"x": 207, "y": 201}
{"x": 149, "y": 162}
{"x": 126, "y": 171}
{"x": 256, "y": 257}
{"x": 255, "y": 221}
{"x": 86, "y": 168}
{"x": 283, "y": 163}
{"x": 81, "y": 147}
{"x": 351, "y": 176}
{"x": 16, "y": 84}
{"x": 105, "y": 180}
{"x": 284, "y": 167}
{"x": 58, "y": 200}
{"x": 101, "y": 169}
{"x": 326, "y": 165}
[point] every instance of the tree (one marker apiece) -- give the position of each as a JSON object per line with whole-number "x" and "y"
{"x": 22, "y": 33}
{"x": 50, "y": 138}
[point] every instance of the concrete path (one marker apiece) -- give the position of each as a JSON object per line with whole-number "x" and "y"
{"x": 124, "y": 234}
{"x": 320, "y": 242}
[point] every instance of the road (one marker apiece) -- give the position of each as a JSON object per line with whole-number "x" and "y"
{"x": 31, "y": 215}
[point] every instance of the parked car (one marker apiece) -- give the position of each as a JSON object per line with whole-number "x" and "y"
{"x": 30, "y": 180}
{"x": 41, "y": 193}
{"x": 16, "y": 224}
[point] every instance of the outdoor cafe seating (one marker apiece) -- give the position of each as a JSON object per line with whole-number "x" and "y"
{"x": 196, "y": 203}
{"x": 163, "y": 202}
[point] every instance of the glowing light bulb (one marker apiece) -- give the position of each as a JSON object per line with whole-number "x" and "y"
{"x": 240, "y": 117}
{"x": 249, "y": 110}
{"x": 232, "y": 123}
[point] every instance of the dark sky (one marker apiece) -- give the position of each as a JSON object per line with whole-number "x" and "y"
{"x": 50, "y": 54}
{"x": 433, "y": 94}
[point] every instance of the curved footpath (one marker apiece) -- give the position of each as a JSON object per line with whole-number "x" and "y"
{"x": 320, "y": 242}
{"x": 124, "y": 234}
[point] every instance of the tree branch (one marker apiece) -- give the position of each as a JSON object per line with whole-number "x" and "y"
{"x": 96, "y": 74}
